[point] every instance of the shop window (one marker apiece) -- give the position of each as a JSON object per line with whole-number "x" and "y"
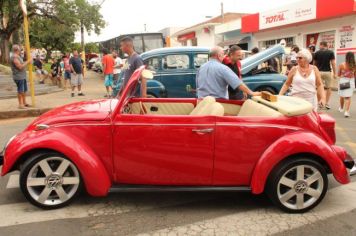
{"x": 269, "y": 43}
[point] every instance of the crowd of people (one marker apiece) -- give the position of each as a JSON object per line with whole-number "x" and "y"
{"x": 310, "y": 76}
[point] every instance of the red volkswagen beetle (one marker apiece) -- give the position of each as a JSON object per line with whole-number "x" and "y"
{"x": 282, "y": 148}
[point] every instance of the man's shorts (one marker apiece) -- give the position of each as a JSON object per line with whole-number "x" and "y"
{"x": 21, "y": 86}
{"x": 76, "y": 79}
{"x": 109, "y": 80}
{"x": 326, "y": 78}
{"x": 67, "y": 75}
{"x": 41, "y": 72}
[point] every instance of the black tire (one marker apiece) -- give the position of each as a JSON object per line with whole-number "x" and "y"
{"x": 267, "y": 89}
{"x": 54, "y": 160}
{"x": 278, "y": 192}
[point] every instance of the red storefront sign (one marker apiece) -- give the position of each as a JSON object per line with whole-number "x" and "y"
{"x": 297, "y": 14}
{"x": 185, "y": 37}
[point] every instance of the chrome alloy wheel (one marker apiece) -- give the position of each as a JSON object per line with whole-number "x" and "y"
{"x": 300, "y": 187}
{"x": 52, "y": 181}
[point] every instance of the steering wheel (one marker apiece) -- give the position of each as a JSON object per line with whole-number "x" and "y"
{"x": 143, "y": 110}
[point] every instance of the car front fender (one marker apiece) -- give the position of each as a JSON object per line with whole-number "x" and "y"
{"x": 92, "y": 170}
{"x": 293, "y": 144}
{"x": 156, "y": 88}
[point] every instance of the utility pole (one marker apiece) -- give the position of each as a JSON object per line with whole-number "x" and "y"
{"x": 145, "y": 27}
{"x": 28, "y": 49}
{"x": 222, "y": 13}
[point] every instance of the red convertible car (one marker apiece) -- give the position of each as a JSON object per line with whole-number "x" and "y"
{"x": 282, "y": 148}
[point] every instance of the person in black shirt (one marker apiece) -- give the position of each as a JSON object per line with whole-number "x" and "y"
{"x": 56, "y": 72}
{"x": 323, "y": 59}
{"x": 40, "y": 72}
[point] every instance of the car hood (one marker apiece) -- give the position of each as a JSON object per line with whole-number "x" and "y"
{"x": 94, "y": 110}
{"x": 253, "y": 61}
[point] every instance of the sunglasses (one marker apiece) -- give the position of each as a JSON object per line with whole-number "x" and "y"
{"x": 299, "y": 58}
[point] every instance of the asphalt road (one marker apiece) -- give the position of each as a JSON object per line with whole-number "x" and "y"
{"x": 180, "y": 213}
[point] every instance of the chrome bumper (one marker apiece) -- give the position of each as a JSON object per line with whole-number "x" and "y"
{"x": 1, "y": 158}
{"x": 349, "y": 162}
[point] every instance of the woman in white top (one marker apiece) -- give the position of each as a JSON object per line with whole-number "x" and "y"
{"x": 305, "y": 81}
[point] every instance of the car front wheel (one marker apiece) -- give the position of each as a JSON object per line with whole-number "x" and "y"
{"x": 297, "y": 185}
{"x": 49, "y": 180}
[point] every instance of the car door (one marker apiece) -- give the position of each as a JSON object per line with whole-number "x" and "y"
{"x": 177, "y": 75}
{"x": 163, "y": 150}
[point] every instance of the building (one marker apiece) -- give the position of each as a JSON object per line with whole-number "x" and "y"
{"x": 305, "y": 23}
{"x": 232, "y": 35}
{"x": 167, "y": 34}
{"x": 203, "y": 34}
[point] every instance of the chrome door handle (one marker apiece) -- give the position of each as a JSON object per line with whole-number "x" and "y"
{"x": 203, "y": 131}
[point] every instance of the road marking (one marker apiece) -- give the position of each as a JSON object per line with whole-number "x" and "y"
{"x": 13, "y": 181}
{"x": 268, "y": 221}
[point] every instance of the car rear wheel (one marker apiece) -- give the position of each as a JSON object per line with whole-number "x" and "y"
{"x": 297, "y": 185}
{"x": 49, "y": 180}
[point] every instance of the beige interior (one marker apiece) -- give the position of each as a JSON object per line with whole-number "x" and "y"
{"x": 287, "y": 105}
{"x": 208, "y": 106}
{"x": 253, "y": 108}
{"x": 168, "y": 108}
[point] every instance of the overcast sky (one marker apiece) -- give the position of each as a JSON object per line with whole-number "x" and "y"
{"x": 123, "y": 17}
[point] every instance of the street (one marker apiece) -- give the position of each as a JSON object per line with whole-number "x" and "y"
{"x": 180, "y": 213}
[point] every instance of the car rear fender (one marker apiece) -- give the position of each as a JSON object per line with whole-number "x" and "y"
{"x": 292, "y": 145}
{"x": 93, "y": 172}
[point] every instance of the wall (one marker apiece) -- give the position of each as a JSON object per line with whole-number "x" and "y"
{"x": 207, "y": 39}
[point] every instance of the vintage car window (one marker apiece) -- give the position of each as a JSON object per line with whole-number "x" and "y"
{"x": 172, "y": 62}
{"x": 200, "y": 59}
{"x": 152, "y": 63}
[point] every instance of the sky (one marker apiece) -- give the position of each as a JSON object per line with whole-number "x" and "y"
{"x": 123, "y": 17}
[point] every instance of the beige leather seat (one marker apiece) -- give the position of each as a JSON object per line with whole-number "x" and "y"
{"x": 252, "y": 108}
{"x": 208, "y": 106}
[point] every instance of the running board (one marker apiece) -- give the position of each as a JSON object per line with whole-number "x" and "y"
{"x": 155, "y": 188}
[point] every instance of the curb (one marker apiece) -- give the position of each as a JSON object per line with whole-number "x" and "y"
{"x": 23, "y": 113}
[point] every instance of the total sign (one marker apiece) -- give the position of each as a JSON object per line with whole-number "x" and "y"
{"x": 300, "y": 11}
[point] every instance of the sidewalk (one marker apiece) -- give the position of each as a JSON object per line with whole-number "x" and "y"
{"x": 93, "y": 88}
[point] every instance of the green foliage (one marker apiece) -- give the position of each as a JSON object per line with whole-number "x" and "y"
{"x": 53, "y": 23}
{"x": 91, "y": 48}
{"x": 49, "y": 34}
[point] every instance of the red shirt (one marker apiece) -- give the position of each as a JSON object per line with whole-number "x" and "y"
{"x": 235, "y": 68}
{"x": 108, "y": 63}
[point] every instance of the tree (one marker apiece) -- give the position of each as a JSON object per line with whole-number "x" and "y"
{"x": 50, "y": 35}
{"x": 71, "y": 13}
{"x": 91, "y": 48}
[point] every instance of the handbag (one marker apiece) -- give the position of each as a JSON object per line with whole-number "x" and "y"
{"x": 345, "y": 85}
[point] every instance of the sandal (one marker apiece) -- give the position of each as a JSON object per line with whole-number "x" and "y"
{"x": 27, "y": 105}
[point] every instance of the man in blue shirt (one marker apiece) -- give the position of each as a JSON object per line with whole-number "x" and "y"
{"x": 213, "y": 78}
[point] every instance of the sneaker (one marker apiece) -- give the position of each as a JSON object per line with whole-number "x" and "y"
{"x": 81, "y": 94}
{"x": 327, "y": 106}
{"x": 72, "y": 94}
{"x": 347, "y": 114}
{"x": 341, "y": 110}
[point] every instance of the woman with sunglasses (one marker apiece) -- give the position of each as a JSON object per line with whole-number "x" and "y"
{"x": 305, "y": 81}
{"x": 347, "y": 73}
